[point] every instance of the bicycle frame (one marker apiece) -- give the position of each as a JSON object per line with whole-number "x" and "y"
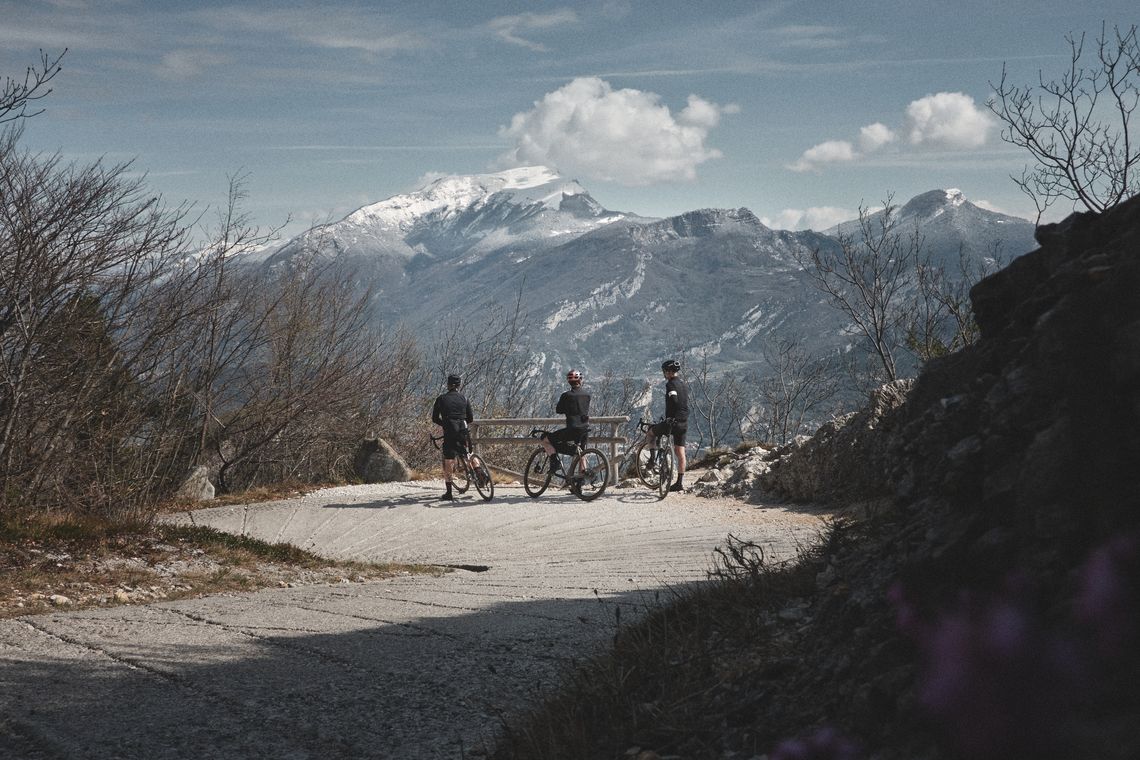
{"x": 579, "y": 474}
{"x": 475, "y": 469}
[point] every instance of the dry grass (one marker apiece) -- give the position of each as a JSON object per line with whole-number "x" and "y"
{"x": 684, "y": 680}
{"x": 49, "y": 562}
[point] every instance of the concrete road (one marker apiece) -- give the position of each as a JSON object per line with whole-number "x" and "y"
{"x": 414, "y": 667}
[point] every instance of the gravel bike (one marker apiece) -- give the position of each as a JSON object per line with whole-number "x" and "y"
{"x": 471, "y": 469}
{"x": 655, "y": 460}
{"x": 585, "y": 472}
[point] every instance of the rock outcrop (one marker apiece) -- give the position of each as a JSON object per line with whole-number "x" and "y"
{"x": 993, "y": 609}
{"x": 197, "y": 486}
{"x": 377, "y": 462}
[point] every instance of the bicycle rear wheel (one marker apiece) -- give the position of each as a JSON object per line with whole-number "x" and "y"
{"x": 593, "y": 469}
{"x": 647, "y": 466}
{"x": 666, "y": 466}
{"x": 536, "y": 477}
{"x": 482, "y": 476}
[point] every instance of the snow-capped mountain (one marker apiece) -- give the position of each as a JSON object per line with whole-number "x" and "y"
{"x": 607, "y": 290}
{"x": 948, "y": 223}
{"x": 469, "y": 214}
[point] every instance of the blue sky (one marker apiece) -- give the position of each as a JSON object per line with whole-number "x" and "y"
{"x": 800, "y": 111}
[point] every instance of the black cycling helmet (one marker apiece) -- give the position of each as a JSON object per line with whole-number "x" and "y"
{"x": 573, "y": 376}
{"x": 454, "y": 381}
{"x": 670, "y": 365}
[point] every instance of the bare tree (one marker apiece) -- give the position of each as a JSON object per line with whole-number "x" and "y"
{"x": 1078, "y": 127}
{"x": 80, "y": 249}
{"x": 490, "y": 356}
{"x": 713, "y": 399}
{"x": 17, "y": 94}
{"x": 938, "y": 317}
{"x": 798, "y": 390}
{"x": 866, "y": 280}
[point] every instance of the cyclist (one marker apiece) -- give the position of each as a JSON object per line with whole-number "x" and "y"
{"x": 575, "y": 404}
{"x": 452, "y": 412}
{"x": 676, "y": 419}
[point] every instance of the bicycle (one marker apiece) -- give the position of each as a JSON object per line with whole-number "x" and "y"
{"x": 657, "y": 463}
{"x": 585, "y": 472}
{"x": 472, "y": 469}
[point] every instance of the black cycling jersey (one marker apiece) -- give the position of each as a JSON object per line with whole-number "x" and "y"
{"x": 452, "y": 411}
{"x": 575, "y": 404}
{"x": 676, "y": 399}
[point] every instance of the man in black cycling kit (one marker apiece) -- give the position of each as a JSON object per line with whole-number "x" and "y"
{"x": 452, "y": 412}
{"x": 676, "y": 417}
{"x": 575, "y": 404}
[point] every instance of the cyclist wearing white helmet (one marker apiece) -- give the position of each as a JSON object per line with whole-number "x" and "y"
{"x": 676, "y": 420}
{"x": 575, "y": 404}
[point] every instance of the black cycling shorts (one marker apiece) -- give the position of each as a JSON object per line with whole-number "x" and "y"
{"x": 563, "y": 440}
{"x": 678, "y": 430}
{"x": 454, "y": 444}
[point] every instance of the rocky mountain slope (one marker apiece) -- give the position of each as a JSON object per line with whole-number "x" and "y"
{"x": 605, "y": 289}
{"x": 988, "y": 604}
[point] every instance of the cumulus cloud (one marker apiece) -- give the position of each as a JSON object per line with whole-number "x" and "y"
{"x": 948, "y": 119}
{"x": 814, "y": 218}
{"x": 874, "y": 136}
{"x": 590, "y": 130}
{"x": 830, "y": 152}
{"x": 944, "y": 120}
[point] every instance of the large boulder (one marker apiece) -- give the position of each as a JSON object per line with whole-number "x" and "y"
{"x": 197, "y": 486}
{"x": 377, "y": 462}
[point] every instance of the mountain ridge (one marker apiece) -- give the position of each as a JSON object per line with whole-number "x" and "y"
{"x": 611, "y": 289}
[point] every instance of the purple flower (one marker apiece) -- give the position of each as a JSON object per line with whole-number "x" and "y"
{"x": 997, "y": 680}
{"x": 825, "y": 744}
{"x": 1108, "y": 600}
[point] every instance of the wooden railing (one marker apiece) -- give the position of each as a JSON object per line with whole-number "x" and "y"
{"x": 604, "y": 432}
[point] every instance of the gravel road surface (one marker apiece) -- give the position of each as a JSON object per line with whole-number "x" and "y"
{"x": 414, "y": 667}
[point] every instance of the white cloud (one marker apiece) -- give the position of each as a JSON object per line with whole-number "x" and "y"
{"x": 948, "y": 119}
{"x": 704, "y": 114}
{"x": 874, "y": 136}
{"x": 511, "y": 28}
{"x": 814, "y": 218}
{"x": 944, "y": 120}
{"x": 589, "y": 130}
{"x": 830, "y": 152}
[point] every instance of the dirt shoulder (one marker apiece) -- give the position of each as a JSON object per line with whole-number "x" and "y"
{"x": 73, "y": 565}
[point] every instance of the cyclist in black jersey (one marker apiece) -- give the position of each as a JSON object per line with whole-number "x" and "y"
{"x": 676, "y": 417}
{"x": 452, "y": 412}
{"x": 575, "y": 404}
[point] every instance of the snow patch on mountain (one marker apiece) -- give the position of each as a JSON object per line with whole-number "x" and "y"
{"x": 606, "y": 294}
{"x": 754, "y": 322}
{"x": 452, "y": 195}
{"x": 590, "y": 329}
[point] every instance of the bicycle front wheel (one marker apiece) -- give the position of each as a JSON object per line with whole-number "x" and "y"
{"x": 536, "y": 477}
{"x": 591, "y": 472}
{"x": 646, "y": 464}
{"x": 666, "y": 466}
{"x": 482, "y": 476}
